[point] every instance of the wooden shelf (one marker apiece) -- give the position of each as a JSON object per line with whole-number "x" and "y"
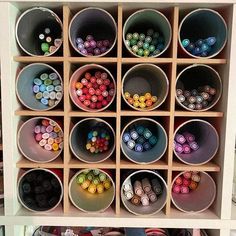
{"x": 25, "y": 163}
{"x": 199, "y": 114}
{"x": 28, "y": 59}
{"x": 77, "y": 164}
{"x": 39, "y": 113}
{"x": 200, "y": 61}
{"x": 144, "y": 113}
{"x": 211, "y": 167}
{"x": 92, "y": 59}
{"x": 127, "y": 164}
{"x": 92, "y": 114}
{"x": 136, "y": 60}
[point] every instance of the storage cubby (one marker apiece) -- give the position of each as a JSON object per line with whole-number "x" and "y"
{"x": 169, "y": 115}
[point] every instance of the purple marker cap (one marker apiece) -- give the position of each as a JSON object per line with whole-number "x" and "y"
{"x": 189, "y": 137}
{"x": 186, "y": 149}
{"x": 180, "y": 138}
{"x": 194, "y": 146}
{"x": 179, "y": 148}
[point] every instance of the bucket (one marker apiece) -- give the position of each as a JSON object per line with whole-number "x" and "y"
{"x": 148, "y": 78}
{"x": 33, "y": 23}
{"x": 79, "y": 137}
{"x": 206, "y": 23}
{"x": 25, "y": 83}
{"x": 197, "y": 200}
{"x": 31, "y": 148}
{"x": 36, "y": 193}
{"x": 95, "y": 22}
{"x": 86, "y": 201}
{"x": 142, "y": 20}
{"x": 78, "y": 76}
{"x": 154, "y": 207}
{"x": 205, "y": 80}
{"x": 206, "y": 137}
{"x": 155, "y": 152}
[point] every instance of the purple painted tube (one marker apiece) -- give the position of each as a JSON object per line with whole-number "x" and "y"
{"x": 186, "y": 149}
{"x": 189, "y": 137}
{"x": 180, "y": 138}
{"x": 179, "y": 148}
{"x": 194, "y": 145}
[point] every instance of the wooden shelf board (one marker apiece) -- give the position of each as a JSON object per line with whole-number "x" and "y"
{"x": 25, "y": 163}
{"x": 199, "y": 114}
{"x": 92, "y": 59}
{"x": 39, "y": 113}
{"x": 135, "y": 60}
{"x": 178, "y": 166}
{"x": 127, "y": 164}
{"x": 144, "y": 113}
{"x": 38, "y": 59}
{"x": 92, "y": 114}
{"x": 77, "y": 164}
{"x": 200, "y": 61}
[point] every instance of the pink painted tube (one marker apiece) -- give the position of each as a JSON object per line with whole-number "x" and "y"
{"x": 179, "y": 148}
{"x": 189, "y": 137}
{"x": 186, "y": 149}
{"x": 186, "y": 182}
{"x": 176, "y": 189}
{"x": 194, "y": 145}
{"x": 187, "y": 175}
{"x": 184, "y": 189}
{"x": 180, "y": 138}
{"x": 179, "y": 181}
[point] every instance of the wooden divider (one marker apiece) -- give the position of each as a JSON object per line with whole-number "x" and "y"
{"x": 68, "y": 113}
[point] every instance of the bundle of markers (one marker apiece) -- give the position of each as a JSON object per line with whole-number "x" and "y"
{"x": 143, "y": 191}
{"x": 201, "y": 47}
{"x": 98, "y": 140}
{"x": 186, "y": 182}
{"x": 185, "y": 143}
{"x": 196, "y": 99}
{"x": 139, "y": 138}
{"x": 94, "y": 181}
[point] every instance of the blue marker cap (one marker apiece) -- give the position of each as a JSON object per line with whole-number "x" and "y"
{"x": 211, "y": 41}
{"x": 147, "y": 146}
{"x": 138, "y": 147}
{"x": 126, "y": 137}
{"x": 185, "y": 43}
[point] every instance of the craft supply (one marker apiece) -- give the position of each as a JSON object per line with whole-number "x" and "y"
{"x": 48, "y": 135}
{"x": 186, "y": 182}
{"x": 95, "y": 90}
{"x": 145, "y": 200}
{"x": 142, "y": 101}
{"x": 196, "y": 99}
{"x": 89, "y": 46}
{"x": 143, "y": 45}
{"x": 138, "y": 188}
{"x": 44, "y": 91}
{"x": 146, "y": 185}
{"x": 136, "y": 200}
{"x": 94, "y": 181}
{"x": 184, "y": 143}
{"x": 139, "y": 138}
{"x": 156, "y": 186}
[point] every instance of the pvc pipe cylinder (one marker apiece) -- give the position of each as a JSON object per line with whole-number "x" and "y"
{"x": 36, "y": 176}
{"x": 77, "y": 75}
{"x": 147, "y": 78}
{"x": 140, "y": 21}
{"x": 153, "y": 208}
{"x": 199, "y": 75}
{"x": 207, "y": 138}
{"x": 95, "y": 21}
{"x": 25, "y": 82}
{"x": 87, "y": 202}
{"x": 197, "y": 200}
{"x": 29, "y": 147}
{"x": 153, "y": 154}
{"x": 206, "y": 23}
{"x": 78, "y": 140}
{"x": 31, "y": 23}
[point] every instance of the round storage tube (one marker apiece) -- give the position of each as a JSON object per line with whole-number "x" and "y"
{"x": 153, "y": 207}
{"x": 87, "y": 201}
{"x": 201, "y": 82}
{"x": 197, "y": 200}
{"x": 31, "y": 148}
{"x": 78, "y": 75}
{"x": 40, "y": 190}
{"x": 96, "y": 22}
{"x": 155, "y": 152}
{"x": 25, "y": 86}
{"x": 31, "y": 24}
{"x": 79, "y": 139}
{"x": 142, "y": 20}
{"x": 148, "y": 78}
{"x": 206, "y": 138}
{"x": 206, "y": 23}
